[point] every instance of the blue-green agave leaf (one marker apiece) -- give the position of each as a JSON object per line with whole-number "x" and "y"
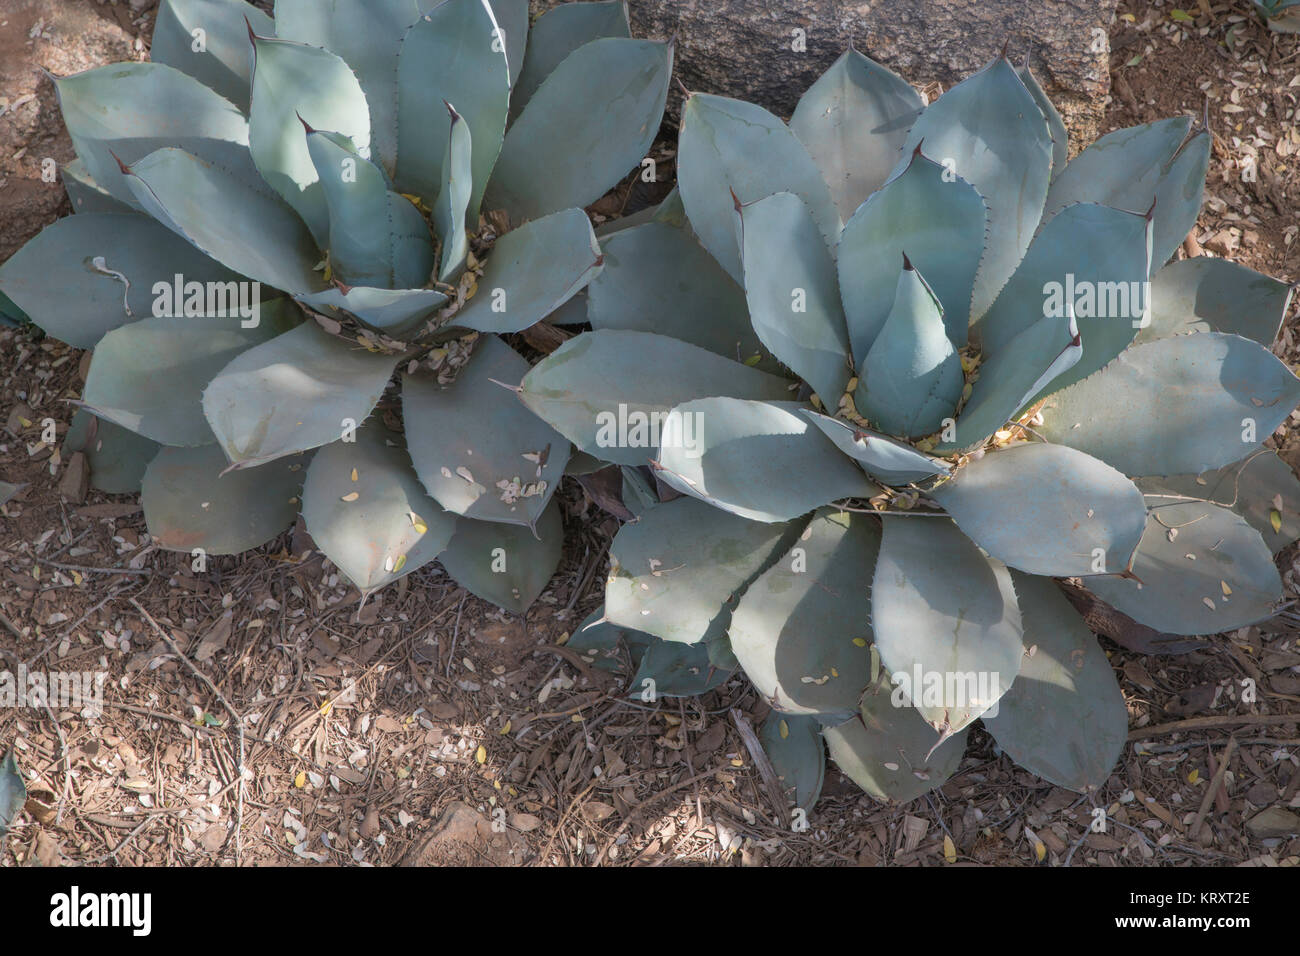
{"x": 122, "y": 112}
{"x": 1252, "y": 488}
{"x": 728, "y": 150}
{"x": 794, "y": 300}
{"x": 477, "y": 450}
{"x": 1135, "y": 167}
{"x": 609, "y": 392}
{"x": 296, "y": 84}
{"x": 84, "y": 276}
{"x": 946, "y": 620}
{"x": 911, "y": 379}
{"x": 512, "y": 24}
{"x": 670, "y": 669}
{"x": 557, "y": 33}
{"x": 989, "y": 131}
{"x": 255, "y": 234}
{"x": 13, "y": 792}
{"x": 531, "y": 272}
{"x": 1206, "y": 294}
{"x": 117, "y": 456}
{"x": 1175, "y": 406}
{"x": 599, "y": 640}
{"x": 794, "y": 746}
{"x": 801, "y": 632}
{"x": 1047, "y": 509}
{"x": 208, "y": 39}
{"x": 1091, "y": 262}
{"x": 1064, "y": 718}
{"x": 86, "y": 195}
{"x": 149, "y": 376}
{"x": 454, "y": 199}
{"x": 376, "y": 238}
{"x": 884, "y": 459}
{"x": 452, "y": 54}
{"x": 1055, "y": 125}
{"x": 759, "y": 460}
{"x": 658, "y": 278}
{"x": 507, "y": 564}
{"x": 367, "y": 34}
{"x": 1201, "y": 569}
{"x": 890, "y": 751}
{"x": 300, "y": 390}
{"x": 365, "y": 509}
{"x": 675, "y": 572}
{"x": 396, "y": 312}
{"x": 939, "y": 221}
{"x": 854, "y": 121}
{"x": 188, "y": 502}
{"x": 593, "y": 119}
{"x": 1010, "y": 378}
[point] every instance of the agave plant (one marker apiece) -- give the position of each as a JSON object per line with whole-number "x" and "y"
{"x": 1281, "y": 15}
{"x": 890, "y": 436}
{"x": 276, "y": 217}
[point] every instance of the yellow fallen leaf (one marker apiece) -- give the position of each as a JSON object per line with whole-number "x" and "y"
{"x": 481, "y": 754}
{"x": 1227, "y": 591}
{"x": 326, "y": 707}
{"x": 418, "y": 523}
{"x": 949, "y": 849}
{"x": 1194, "y": 776}
{"x": 860, "y": 641}
{"x": 354, "y": 474}
{"x": 399, "y": 563}
{"x": 300, "y": 781}
{"x": 506, "y": 729}
{"x": 76, "y": 578}
{"x": 1040, "y": 850}
{"x": 350, "y": 496}
{"x": 785, "y": 730}
{"x": 1275, "y": 519}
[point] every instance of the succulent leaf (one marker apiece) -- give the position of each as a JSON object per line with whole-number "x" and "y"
{"x": 944, "y": 615}
{"x": 256, "y": 234}
{"x": 476, "y": 449}
{"x": 854, "y": 121}
{"x": 557, "y": 33}
{"x": 1135, "y": 167}
{"x": 1205, "y": 401}
{"x": 794, "y": 299}
{"x": 1214, "y": 573}
{"x": 802, "y": 629}
{"x": 296, "y": 84}
{"x": 454, "y": 199}
{"x": 1064, "y": 718}
{"x": 396, "y": 312}
{"x": 375, "y": 237}
{"x": 911, "y": 379}
{"x": 1055, "y": 125}
{"x": 608, "y": 392}
{"x": 939, "y": 221}
{"x": 795, "y": 747}
{"x": 531, "y": 272}
{"x": 149, "y": 376}
{"x": 884, "y": 459}
{"x": 225, "y": 64}
{"x": 86, "y": 195}
{"x": 1095, "y": 261}
{"x": 889, "y": 751}
{"x": 84, "y": 276}
{"x": 1047, "y": 509}
{"x": 670, "y": 669}
{"x": 365, "y": 509}
{"x": 658, "y": 278}
{"x": 760, "y": 460}
{"x": 122, "y": 112}
{"x": 509, "y": 565}
{"x": 117, "y": 456}
{"x": 188, "y": 502}
{"x": 989, "y": 131}
{"x": 598, "y": 638}
{"x": 1252, "y": 488}
{"x": 512, "y": 20}
{"x": 452, "y": 54}
{"x": 729, "y": 147}
{"x": 1206, "y": 294}
{"x": 577, "y": 138}
{"x": 673, "y": 573}
{"x": 300, "y": 390}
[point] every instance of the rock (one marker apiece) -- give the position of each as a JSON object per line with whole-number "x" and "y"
{"x": 771, "y": 52}
{"x": 464, "y": 837}
{"x": 1273, "y": 822}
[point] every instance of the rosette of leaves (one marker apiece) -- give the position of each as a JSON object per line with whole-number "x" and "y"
{"x": 896, "y": 412}
{"x": 398, "y": 180}
{"x": 1281, "y": 15}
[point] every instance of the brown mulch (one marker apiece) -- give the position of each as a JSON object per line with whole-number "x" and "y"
{"x": 428, "y": 727}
